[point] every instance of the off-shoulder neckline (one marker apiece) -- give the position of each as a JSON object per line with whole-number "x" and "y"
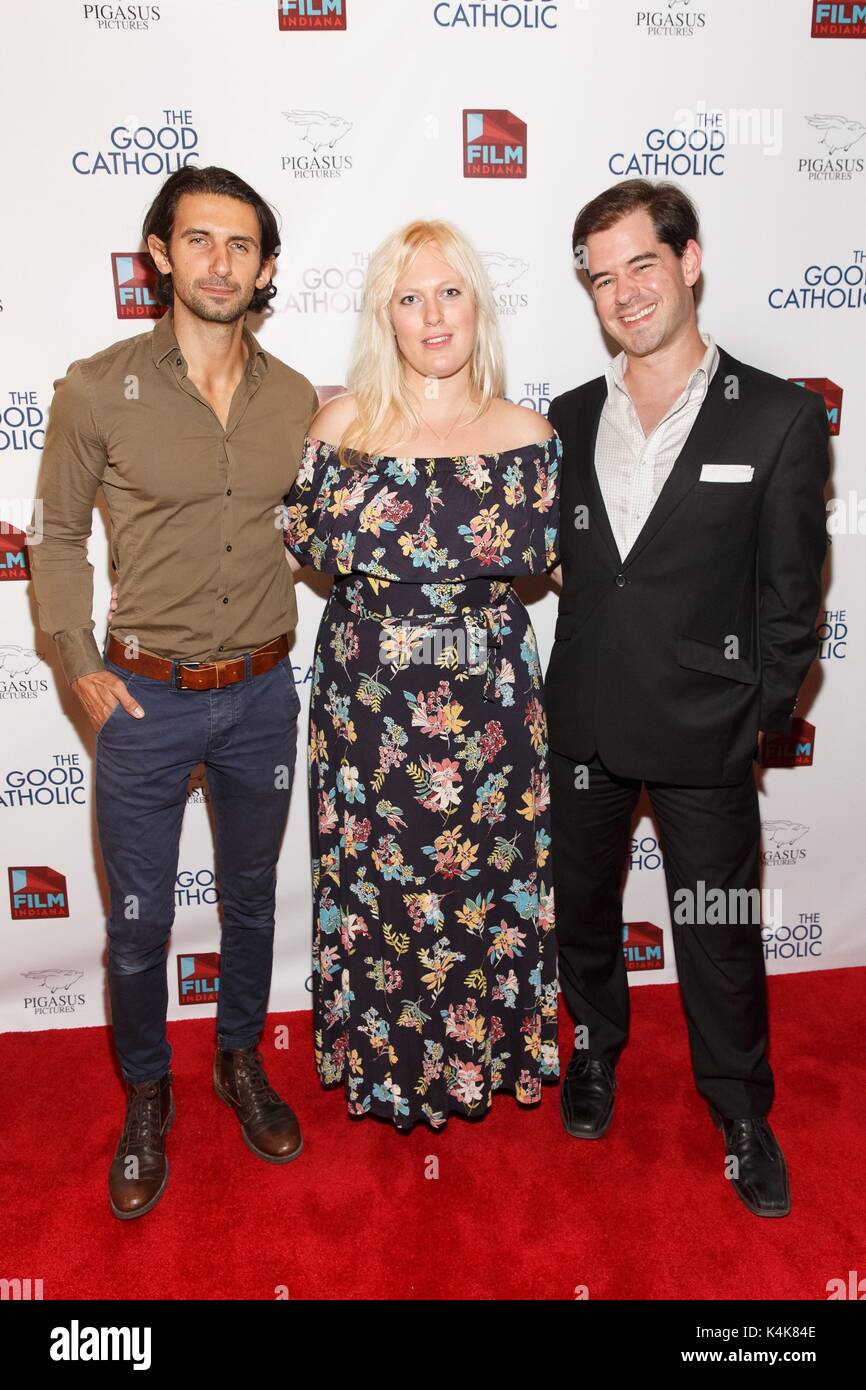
{"x": 447, "y": 458}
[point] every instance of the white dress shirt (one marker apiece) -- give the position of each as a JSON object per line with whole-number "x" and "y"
{"x": 632, "y": 467}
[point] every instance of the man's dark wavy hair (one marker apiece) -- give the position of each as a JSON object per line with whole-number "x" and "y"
{"x": 159, "y": 219}
{"x": 674, "y": 215}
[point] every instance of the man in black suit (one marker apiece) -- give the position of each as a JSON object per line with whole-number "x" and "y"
{"x": 693, "y": 537}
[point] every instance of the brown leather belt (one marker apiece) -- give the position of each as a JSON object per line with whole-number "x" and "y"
{"x": 212, "y": 676}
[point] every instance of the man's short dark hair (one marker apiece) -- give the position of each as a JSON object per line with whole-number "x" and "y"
{"x": 674, "y": 215}
{"x": 159, "y": 219}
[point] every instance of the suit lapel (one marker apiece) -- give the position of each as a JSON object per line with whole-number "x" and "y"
{"x": 585, "y": 437}
{"x": 708, "y": 433}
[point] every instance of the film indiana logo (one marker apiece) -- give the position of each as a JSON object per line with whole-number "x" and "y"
{"x": 311, "y": 14}
{"x": 494, "y": 145}
{"x": 832, "y": 394}
{"x": 838, "y": 20}
{"x": 134, "y": 276}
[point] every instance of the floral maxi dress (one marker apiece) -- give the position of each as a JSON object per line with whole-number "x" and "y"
{"x": 434, "y": 960}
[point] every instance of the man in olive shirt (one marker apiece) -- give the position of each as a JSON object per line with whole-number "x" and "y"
{"x": 195, "y": 435}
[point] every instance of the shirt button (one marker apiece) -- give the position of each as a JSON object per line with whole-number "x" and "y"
{"x": 228, "y": 547}
{"x": 220, "y": 647}
{"x": 620, "y": 581}
{"x": 178, "y": 361}
{"x": 225, "y": 600}
{"x": 228, "y": 492}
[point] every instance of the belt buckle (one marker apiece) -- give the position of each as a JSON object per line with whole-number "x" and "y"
{"x": 224, "y": 661}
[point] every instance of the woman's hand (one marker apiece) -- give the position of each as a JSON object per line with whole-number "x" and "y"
{"x": 113, "y": 604}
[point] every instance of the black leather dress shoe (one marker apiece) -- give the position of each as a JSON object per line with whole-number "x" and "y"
{"x": 586, "y": 1096}
{"x": 762, "y": 1177}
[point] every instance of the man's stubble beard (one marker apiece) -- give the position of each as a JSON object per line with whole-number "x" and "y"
{"x": 203, "y": 308}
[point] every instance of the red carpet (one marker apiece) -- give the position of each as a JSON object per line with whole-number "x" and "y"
{"x": 519, "y": 1209}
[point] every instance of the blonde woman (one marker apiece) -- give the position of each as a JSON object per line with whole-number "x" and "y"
{"x": 425, "y": 492}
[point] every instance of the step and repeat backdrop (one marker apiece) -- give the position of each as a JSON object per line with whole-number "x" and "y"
{"x": 352, "y": 117}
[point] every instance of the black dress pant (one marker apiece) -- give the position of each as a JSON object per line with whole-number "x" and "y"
{"x": 709, "y": 836}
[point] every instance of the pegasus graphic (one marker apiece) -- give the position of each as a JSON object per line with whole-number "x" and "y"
{"x": 783, "y": 832}
{"x": 54, "y": 979}
{"x": 501, "y": 269}
{"x": 319, "y": 128}
{"x": 839, "y": 133}
{"x": 18, "y": 661}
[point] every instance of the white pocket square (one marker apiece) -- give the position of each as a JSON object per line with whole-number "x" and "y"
{"x": 727, "y": 473}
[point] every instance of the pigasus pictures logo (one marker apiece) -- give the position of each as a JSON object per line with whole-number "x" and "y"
{"x": 113, "y": 18}
{"x": 197, "y": 790}
{"x": 504, "y": 272}
{"x": 317, "y": 133}
{"x": 17, "y": 667}
{"x": 782, "y": 847}
{"x": 311, "y": 14}
{"x": 134, "y": 276}
{"x": 53, "y": 991}
{"x": 796, "y": 749}
{"x": 643, "y": 946}
{"x": 198, "y": 978}
{"x": 838, "y": 135}
{"x": 831, "y": 394}
{"x": 838, "y": 21}
{"x": 676, "y": 20}
{"x": 494, "y": 145}
{"x": 37, "y": 892}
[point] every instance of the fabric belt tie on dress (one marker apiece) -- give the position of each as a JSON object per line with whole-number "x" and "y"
{"x": 492, "y": 615}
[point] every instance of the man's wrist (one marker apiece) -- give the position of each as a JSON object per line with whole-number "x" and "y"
{"x": 79, "y": 654}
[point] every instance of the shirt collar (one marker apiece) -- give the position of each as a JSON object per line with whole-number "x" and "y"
{"x": 164, "y": 341}
{"x": 703, "y": 373}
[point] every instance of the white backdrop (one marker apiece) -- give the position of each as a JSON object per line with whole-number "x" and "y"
{"x": 350, "y": 132}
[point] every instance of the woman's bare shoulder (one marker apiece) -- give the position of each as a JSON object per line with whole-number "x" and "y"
{"x": 521, "y": 425}
{"x": 333, "y": 419}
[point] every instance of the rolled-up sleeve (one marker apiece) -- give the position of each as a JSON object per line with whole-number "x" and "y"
{"x": 72, "y": 468}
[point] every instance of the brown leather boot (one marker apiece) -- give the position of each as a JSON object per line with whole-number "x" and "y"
{"x": 139, "y": 1169}
{"x": 270, "y": 1128}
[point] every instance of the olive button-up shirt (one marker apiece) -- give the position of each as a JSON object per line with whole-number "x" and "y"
{"x": 195, "y": 509}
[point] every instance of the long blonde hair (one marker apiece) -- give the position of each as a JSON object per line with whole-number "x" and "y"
{"x": 376, "y": 374}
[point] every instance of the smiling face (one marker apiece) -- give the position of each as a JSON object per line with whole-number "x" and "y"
{"x": 214, "y": 256}
{"x": 432, "y": 313}
{"x": 642, "y": 288}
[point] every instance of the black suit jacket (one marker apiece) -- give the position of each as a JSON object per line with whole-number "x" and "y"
{"x": 644, "y": 670}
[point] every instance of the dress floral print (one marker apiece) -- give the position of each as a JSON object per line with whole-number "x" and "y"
{"x": 434, "y": 960}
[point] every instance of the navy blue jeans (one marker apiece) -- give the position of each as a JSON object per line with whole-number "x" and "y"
{"x": 246, "y": 735}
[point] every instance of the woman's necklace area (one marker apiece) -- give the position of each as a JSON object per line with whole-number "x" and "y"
{"x": 451, "y": 427}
